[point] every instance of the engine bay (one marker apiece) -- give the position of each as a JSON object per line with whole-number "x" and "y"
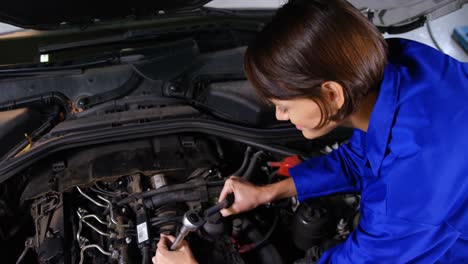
{"x": 110, "y": 203}
{"x": 95, "y": 170}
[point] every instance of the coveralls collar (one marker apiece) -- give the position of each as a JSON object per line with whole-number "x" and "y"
{"x": 382, "y": 118}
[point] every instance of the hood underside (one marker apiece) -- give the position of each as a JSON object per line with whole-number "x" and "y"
{"x": 49, "y": 13}
{"x": 54, "y": 14}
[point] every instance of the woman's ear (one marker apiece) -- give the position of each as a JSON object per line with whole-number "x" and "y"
{"x": 334, "y": 94}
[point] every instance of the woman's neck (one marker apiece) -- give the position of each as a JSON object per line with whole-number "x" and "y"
{"x": 361, "y": 118}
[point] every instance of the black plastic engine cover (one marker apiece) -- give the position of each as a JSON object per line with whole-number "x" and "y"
{"x": 237, "y": 101}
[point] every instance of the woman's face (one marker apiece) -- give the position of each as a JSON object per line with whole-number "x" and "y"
{"x": 305, "y": 114}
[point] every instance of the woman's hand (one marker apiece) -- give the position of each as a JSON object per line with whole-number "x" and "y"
{"x": 181, "y": 255}
{"x": 247, "y": 195}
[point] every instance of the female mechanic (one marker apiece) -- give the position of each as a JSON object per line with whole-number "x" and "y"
{"x": 323, "y": 65}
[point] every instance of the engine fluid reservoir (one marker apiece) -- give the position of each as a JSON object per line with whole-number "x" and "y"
{"x": 310, "y": 224}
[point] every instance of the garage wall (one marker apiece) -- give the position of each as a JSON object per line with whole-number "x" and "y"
{"x": 442, "y": 27}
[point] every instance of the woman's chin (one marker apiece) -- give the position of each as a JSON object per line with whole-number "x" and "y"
{"x": 313, "y": 134}
{"x": 308, "y": 134}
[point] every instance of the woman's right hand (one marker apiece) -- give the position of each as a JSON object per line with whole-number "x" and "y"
{"x": 247, "y": 195}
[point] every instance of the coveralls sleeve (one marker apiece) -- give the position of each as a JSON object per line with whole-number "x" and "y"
{"x": 336, "y": 172}
{"x": 384, "y": 239}
{"x": 402, "y": 215}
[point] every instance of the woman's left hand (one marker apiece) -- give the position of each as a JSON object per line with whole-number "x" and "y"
{"x": 165, "y": 256}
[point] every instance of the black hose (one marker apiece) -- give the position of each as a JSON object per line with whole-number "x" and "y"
{"x": 175, "y": 197}
{"x": 154, "y": 221}
{"x": 261, "y": 240}
{"x": 175, "y": 193}
{"x": 47, "y": 98}
{"x": 267, "y": 253}
{"x": 48, "y": 124}
{"x": 215, "y": 183}
{"x": 165, "y": 189}
{"x": 252, "y": 165}
{"x": 403, "y": 28}
{"x": 239, "y": 172}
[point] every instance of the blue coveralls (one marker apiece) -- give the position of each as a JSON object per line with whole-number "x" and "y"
{"x": 411, "y": 166}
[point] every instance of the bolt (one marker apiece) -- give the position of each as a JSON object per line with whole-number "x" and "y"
{"x": 83, "y": 102}
{"x": 115, "y": 254}
{"x": 341, "y": 224}
{"x": 193, "y": 217}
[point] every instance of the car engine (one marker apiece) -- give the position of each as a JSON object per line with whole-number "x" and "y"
{"x": 110, "y": 203}
{"x": 95, "y": 166}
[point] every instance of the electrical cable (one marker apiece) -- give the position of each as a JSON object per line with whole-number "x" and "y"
{"x": 429, "y": 30}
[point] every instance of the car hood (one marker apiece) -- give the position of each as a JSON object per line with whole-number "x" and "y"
{"x": 54, "y": 14}
{"x": 48, "y": 14}
{"x": 402, "y": 12}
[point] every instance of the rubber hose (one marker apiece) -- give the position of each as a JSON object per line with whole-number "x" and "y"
{"x": 253, "y": 164}
{"x": 48, "y": 98}
{"x": 39, "y": 131}
{"x": 268, "y": 254}
{"x": 175, "y": 197}
{"x": 262, "y": 241}
{"x": 244, "y": 162}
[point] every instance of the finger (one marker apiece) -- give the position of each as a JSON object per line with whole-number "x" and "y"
{"x": 162, "y": 244}
{"x": 184, "y": 247}
{"x": 226, "y": 190}
{"x": 227, "y": 212}
{"x": 154, "y": 260}
{"x": 170, "y": 238}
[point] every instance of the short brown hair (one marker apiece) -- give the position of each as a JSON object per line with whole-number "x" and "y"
{"x": 310, "y": 42}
